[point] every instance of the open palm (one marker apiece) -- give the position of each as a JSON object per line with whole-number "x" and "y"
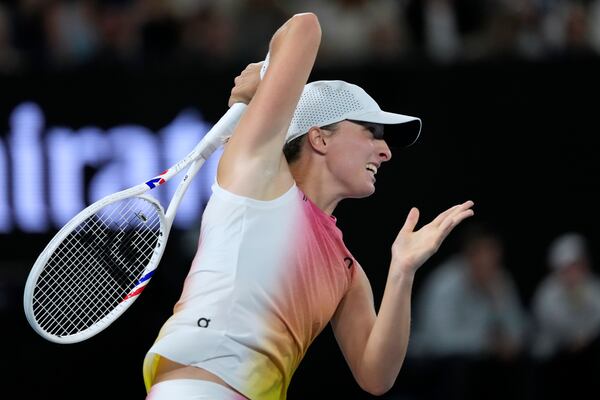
{"x": 412, "y": 248}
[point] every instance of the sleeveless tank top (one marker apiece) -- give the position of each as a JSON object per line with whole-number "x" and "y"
{"x": 265, "y": 281}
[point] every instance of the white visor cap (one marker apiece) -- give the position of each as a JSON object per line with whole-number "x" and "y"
{"x": 327, "y": 102}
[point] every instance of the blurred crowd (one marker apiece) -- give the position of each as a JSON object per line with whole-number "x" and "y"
{"x": 477, "y": 339}
{"x": 59, "y": 34}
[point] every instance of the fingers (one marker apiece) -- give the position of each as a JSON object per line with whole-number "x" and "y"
{"x": 411, "y": 220}
{"x": 445, "y": 220}
{"x": 451, "y": 211}
{"x": 245, "y": 84}
{"x": 449, "y": 223}
{"x": 252, "y": 69}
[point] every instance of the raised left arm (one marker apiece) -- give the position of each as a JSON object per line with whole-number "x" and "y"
{"x": 375, "y": 344}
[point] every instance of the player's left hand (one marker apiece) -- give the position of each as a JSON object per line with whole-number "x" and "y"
{"x": 412, "y": 248}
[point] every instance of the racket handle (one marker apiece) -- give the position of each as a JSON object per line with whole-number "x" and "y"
{"x": 222, "y": 129}
{"x": 225, "y": 126}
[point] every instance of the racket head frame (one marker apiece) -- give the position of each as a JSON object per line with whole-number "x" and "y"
{"x": 64, "y": 232}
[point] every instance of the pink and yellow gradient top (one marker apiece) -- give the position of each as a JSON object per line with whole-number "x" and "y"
{"x": 267, "y": 278}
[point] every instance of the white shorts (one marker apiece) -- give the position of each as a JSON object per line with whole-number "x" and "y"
{"x": 191, "y": 389}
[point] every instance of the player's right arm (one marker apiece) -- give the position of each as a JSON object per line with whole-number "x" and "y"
{"x": 252, "y": 163}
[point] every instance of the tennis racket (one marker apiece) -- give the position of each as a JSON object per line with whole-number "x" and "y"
{"x": 97, "y": 265}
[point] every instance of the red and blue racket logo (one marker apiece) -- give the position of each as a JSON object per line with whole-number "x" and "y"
{"x": 157, "y": 181}
{"x": 138, "y": 289}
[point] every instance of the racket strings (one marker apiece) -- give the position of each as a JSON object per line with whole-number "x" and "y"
{"x": 96, "y": 266}
{"x": 97, "y": 261}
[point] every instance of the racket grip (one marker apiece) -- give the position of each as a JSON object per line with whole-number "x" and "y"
{"x": 222, "y": 129}
{"x": 225, "y": 126}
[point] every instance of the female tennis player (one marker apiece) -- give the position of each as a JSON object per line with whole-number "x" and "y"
{"x": 271, "y": 269}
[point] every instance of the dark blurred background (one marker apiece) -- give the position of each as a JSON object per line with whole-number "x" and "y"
{"x": 96, "y": 96}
